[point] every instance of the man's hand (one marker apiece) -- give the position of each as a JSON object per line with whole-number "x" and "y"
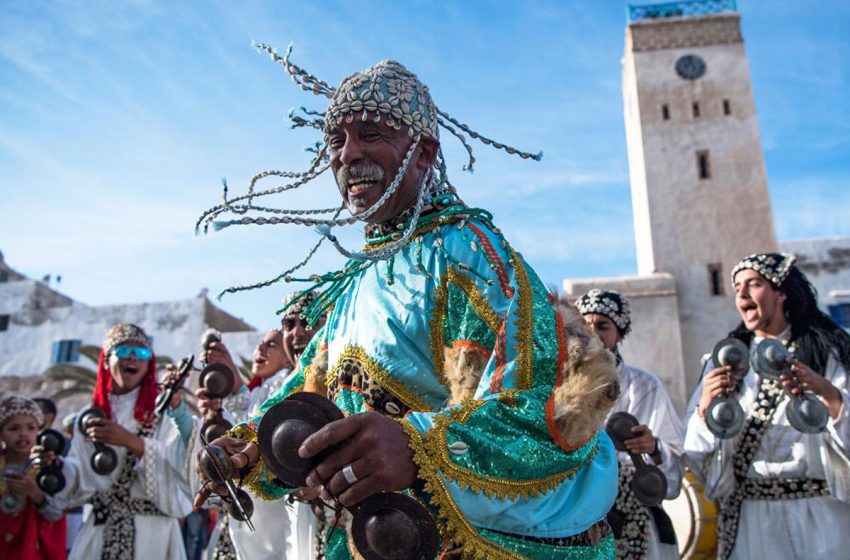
{"x": 643, "y": 442}
{"x": 103, "y": 430}
{"x": 41, "y": 457}
{"x": 375, "y": 450}
{"x": 242, "y": 454}
{"x": 803, "y": 378}
{"x": 718, "y": 381}
{"x": 171, "y": 374}
{"x": 217, "y": 353}
{"x": 207, "y": 406}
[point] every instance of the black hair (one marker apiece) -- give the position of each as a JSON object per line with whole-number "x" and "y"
{"x": 47, "y": 406}
{"x": 814, "y": 334}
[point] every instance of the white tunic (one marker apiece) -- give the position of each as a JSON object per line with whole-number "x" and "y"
{"x": 282, "y": 530}
{"x": 815, "y": 527}
{"x": 643, "y": 396}
{"x": 161, "y": 479}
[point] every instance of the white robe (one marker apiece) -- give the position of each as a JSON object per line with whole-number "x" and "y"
{"x": 161, "y": 479}
{"x": 643, "y": 396}
{"x": 816, "y": 527}
{"x": 282, "y": 530}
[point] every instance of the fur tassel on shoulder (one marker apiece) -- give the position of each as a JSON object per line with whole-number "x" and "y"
{"x": 589, "y": 386}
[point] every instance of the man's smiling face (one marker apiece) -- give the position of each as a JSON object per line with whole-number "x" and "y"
{"x": 365, "y": 157}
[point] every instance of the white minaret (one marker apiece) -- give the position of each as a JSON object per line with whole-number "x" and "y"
{"x": 699, "y": 188}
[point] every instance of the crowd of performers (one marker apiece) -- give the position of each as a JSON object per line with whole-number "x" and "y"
{"x": 454, "y": 391}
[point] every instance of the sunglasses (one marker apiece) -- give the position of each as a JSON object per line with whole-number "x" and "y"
{"x": 290, "y": 323}
{"x": 127, "y": 351}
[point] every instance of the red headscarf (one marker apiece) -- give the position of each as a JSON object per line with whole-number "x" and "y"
{"x": 146, "y": 399}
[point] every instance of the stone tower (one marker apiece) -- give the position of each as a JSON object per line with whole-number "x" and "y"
{"x": 698, "y": 182}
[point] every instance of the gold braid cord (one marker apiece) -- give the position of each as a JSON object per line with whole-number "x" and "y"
{"x": 454, "y": 526}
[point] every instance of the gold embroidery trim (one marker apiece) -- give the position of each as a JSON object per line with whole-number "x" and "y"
{"x": 437, "y": 445}
{"x": 454, "y": 524}
{"x": 476, "y": 299}
{"x": 395, "y": 387}
{"x": 438, "y": 321}
{"x": 524, "y": 324}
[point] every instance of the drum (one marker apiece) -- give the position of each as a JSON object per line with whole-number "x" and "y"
{"x": 694, "y": 520}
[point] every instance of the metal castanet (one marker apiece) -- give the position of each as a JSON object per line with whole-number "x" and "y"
{"x": 724, "y": 416}
{"x": 805, "y": 412}
{"x": 104, "y": 460}
{"x": 649, "y": 484}
{"x": 386, "y": 525}
{"x": 50, "y": 478}
{"x": 215, "y": 463}
{"x": 168, "y": 389}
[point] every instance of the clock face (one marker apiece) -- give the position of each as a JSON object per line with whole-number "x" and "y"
{"x": 690, "y": 67}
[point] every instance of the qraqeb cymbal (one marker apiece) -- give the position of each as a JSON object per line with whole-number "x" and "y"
{"x": 284, "y": 428}
{"x": 391, "y": 526}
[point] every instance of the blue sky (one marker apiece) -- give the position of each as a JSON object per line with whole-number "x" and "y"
{"x": 118, "y": 120}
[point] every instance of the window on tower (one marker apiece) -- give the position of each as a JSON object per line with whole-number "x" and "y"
{"x": 696, "y": 109}
{"x": 703, "y": 165}
{"x": 715, "y": 279}
{"x": 665, "y": 112}
{"x": 727, "y": 107}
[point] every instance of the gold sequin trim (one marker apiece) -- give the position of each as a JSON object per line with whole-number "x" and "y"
{"x": 476, "y": 299}
{"x": 455, "y": 526}
{"x": 374, "y": 370}
{"x": 524, "y": 324}
{"x": 436, "y": 442}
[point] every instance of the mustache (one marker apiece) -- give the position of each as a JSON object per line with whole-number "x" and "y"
{"x": 360, "y": 170}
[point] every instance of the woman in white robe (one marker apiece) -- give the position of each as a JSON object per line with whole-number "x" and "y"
{"x": 659, "y": 434}
{"x": 781, "y": 493}
{"x": 138, "y": 505}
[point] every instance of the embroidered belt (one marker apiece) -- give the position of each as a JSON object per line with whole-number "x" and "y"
{"x": 783, "y": 488}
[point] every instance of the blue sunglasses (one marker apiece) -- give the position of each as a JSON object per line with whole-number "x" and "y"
{"x": 127, "y": 351}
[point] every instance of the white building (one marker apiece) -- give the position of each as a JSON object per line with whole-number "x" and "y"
{"x": 699, "y": 190}
{"x": 40, "y": 326}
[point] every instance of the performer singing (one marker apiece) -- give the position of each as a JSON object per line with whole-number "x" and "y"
{"x": 781, "y": 493}
{"x": 35, "y": 531}
{"x": 281, "y": 530}
{"x": 461, "y": 381}
{"x": 642, "y": 532}
{"x": 137, "y": 506}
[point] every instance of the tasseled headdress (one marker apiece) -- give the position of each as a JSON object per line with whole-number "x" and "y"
{"x": 146, "y": 399}
{"x": 387, "y": 91}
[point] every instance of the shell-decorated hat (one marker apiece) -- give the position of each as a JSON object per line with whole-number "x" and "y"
{"x": 125, "y": 332}
{"x": 609, "y": 303}
{"x": 14, "y": 405}
{"x": 387, "y": 91}
{"x": 774, "y": 267}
